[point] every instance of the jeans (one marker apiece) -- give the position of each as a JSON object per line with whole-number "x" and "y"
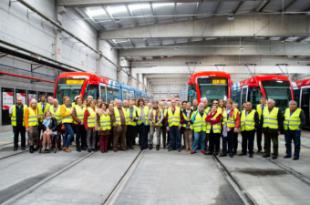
{"x": 175, "y": 139}
{"x": 199, "y": 137}
{"x": 68, "y": 135}
{"x": 295, "y": 136}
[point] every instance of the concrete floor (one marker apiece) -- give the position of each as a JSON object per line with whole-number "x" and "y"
{"x": 157, "y": 177}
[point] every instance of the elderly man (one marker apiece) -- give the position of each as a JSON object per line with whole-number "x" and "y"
{"x": 199, "y": 126}
{"x": 204, "y": 101}
{"x": 119, "y": 126}
{"x": 174, "y": 117}
{"x": 294, "y": 119}
{"x": 17, "y": 113}
{"x": 272, "y": 126}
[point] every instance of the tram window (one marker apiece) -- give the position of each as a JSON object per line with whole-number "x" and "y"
{"x": 113, "y": 93}
{"x": 103, "y": 93}
{"x": 254, "y": 96}
{"x": 243, "y": 95}
{"x": 93, "y": 91}
{"x": 191, "y": 93}
{"x": 305, "y": 104}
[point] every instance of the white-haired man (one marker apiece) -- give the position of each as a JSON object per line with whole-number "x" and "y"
{"x": 272, "y": 125}
{"x": 294, "y": 119}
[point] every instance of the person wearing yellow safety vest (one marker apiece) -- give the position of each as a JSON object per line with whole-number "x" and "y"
{"x": 103, "y": 125}
{"x": 31, "y": 124}
{"x": 259, "y": 132}
{"x": 156, "y": 116}
{"x": 89, "y": 122}
{"x": 66, "y": 112}
{"x": 188, "y": 132}
{"x": 78, "y": 123}
{"x": 132, "y": 118}
{"x": 17, "y": 113}
{"x": 214, "y": 129}
{"x": 199, "y": 125}
{"x": 143, "y": 122}
{"x": 249, "y": 123}
{"x": 164, "y": 107}
{"x": 119, "y": 126}
{"x": 231, "y": 123}
{"x": 174, "y": 118}
{"x": 272, "y": 121}
{"x": 294, "y": 120}
{"x": 43, "y": 107}
{"x": 55, "y": 113}
{"x": 183, "y": 107}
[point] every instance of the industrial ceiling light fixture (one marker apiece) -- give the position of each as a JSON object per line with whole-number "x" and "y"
{"x": 138, "y": 7}
{"x": 113, "y": 10}
{"x": 164, "y": 4}
{"x": 230, "y": 18}
{"x": 93, "y": 12}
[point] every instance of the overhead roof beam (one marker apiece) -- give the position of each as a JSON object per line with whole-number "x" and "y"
{"x": 262, "y": 5}
{"x": 288, "y": 5}
{"x": 238, "y": 7}
{"x": 100, "y": 2}
{"x": 262, "y": 26}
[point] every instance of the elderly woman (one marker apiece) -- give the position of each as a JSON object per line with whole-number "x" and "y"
{"x": 31, "y": 124}
{"x": 49, "y": 129}
{"x": 214, "y": 129}
{"x": 103, "y": 125}
{"x": 89, "y": 124}
{"x": 156, "y": 117}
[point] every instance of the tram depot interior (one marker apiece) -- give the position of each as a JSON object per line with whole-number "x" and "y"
{"x": 157, "y": 50}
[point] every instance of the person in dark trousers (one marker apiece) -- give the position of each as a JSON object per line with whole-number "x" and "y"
{"x": 214, "y": 130}
{"x": 294, "y": 120}
{"x": 249, "y": 123}
{"x": 174, "y": 118}
{"x": 78, "y": 117}
{"x": 131, "y": 124}
{"x": 259, "y": 132}
{"x": 17, "y": 113}
{"x": 272, "y": 121}
{"x": 143, "y": 112}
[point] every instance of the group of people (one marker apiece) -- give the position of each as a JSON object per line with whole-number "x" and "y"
{"x": 96, "y": 125}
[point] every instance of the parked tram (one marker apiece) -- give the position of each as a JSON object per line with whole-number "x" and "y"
{"x": 303, "y": 90}
{"x": 210, "y": 84}
{"x": 276, "y": 87}
{"x": 82, "y": 83}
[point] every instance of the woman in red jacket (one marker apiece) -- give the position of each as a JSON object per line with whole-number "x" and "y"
{"x": 214, "y": 130}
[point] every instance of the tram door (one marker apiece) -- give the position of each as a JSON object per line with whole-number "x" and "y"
{"x": 305, "y": 104}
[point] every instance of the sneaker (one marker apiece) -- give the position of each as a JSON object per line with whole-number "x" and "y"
{"x": 193, "y": 152}
{"x": 203, "y": 152}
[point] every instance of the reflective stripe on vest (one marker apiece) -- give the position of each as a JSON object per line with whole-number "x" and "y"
{"x": 32, "y": 117}
{"x": 105, "y": 122}
{"x": 13, "y": 117}
{"x": 200, "y": 123}
{"x": 248, "y": 121}
{"x": 270, "y": 118}
{"x": 146, "y": 114}
{"x": 158, "y": 117}
{"x": 174, "y": 118}
{"x": 91, "y": 119}
{"x": 231, "y": 122}
{"x": 186, "y": 119}
{"x": 132, "y": 121}
{"x": 292, "y": 122}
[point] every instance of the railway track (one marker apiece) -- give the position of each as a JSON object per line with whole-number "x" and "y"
{"x": 37, "y": 185}
{"x": 245, "y": 197}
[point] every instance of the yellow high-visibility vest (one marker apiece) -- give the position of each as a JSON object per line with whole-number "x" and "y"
{"x": 91, "y": 119}
{"x": 174, "y": 118}
{"x": 33, "y": 117}
{"x": 68, "y": 118}
{"x": 260, "y": 110}
{"x": 131, "y": 121}
{"x": 270, "y": 118}
{"x": 217, "y": 128}
{"x": 146, "y": 115}
{"x": 200, "y": 123}
{"x": 118, "y": 117}
{"x": 13, "y": 116}
{"x": 292, "y": 122}
{"x": 80, "y": 111}
{"x": 231, "y": 121}
{"x": 56, "y": 114}
{"x": 105, "y": 122}
{"x": 46, "y": 108}
{"x": 248, "y": 121}
{"x": 154, "y": 116}
{"x": 187, "y": 119}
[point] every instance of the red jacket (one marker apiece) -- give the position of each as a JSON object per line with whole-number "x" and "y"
{"x": 209, "y": 119}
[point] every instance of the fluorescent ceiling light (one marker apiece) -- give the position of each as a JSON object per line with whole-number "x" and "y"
{"x": 116, "y": 9}
{"x": 136, "y": 7}
{"x": 160, "y": 5}
{"x": 115, "y": 41}
{"x": 95, "y": 11}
